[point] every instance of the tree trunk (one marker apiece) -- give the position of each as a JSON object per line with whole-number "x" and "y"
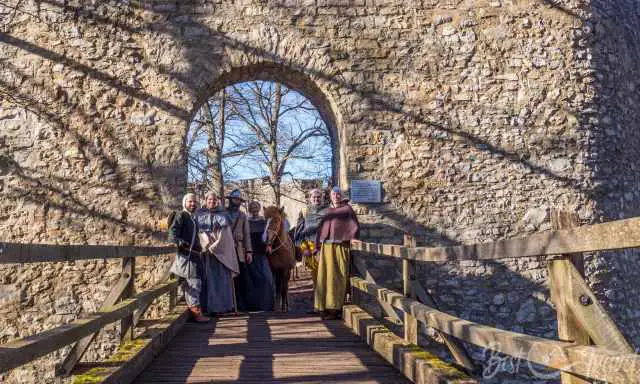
{"x": 219, "y": 178}
{"x": 215, "y": 145}
{"x": 276, "y": 192}
{"x": 275, "y": 161}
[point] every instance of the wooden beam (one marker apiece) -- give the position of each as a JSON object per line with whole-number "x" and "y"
{"x": 408, "y": 278}
{"x": 569, "y": 328}
{"x": 131, "y": 359}
{"x": 391, "y": 315}
{"x": 585, "y": 361}
{"x": 455, "y": 347}
{"x": 78, "y": 350}
{"x": 600, "y": 237}
{"x": 173, "y": 297}
{"x": 565, "y": 219}
{"x": 37, "y": 253}
{"x": 586, "y": 309}
{"x": 127, "y": 323}
{"x": 415, "y": 364}
{"x": 22, "y": 351}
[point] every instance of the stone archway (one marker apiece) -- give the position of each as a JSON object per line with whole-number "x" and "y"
{"x": 471, "y": 113}
{"x": 301, "y": 83}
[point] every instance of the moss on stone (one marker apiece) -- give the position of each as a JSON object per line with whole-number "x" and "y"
{"x": 127, "y": 350}
{"x": 437, "y": 363}
{"x": 92, "y": 376}
{"x": 124, "y": 353}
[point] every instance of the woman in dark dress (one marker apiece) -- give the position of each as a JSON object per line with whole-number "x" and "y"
{"x": 257, "y": 289}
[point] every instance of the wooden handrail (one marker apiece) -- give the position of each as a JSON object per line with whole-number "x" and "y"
{"x": 37, "y": 253}
{"x": 593, "y": 362}
{"x": 581, "y": 318}
{"x": 120, "y": 304}
{"x": 22, "y": 351}
{"x": 609, "y": 236}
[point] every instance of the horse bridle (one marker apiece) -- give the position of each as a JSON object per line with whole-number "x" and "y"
{"x": 276, "y": 236}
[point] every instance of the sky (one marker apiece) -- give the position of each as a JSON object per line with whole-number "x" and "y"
{"x": 313, "y": 157}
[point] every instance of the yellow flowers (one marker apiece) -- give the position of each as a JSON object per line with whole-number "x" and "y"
{"x": 307, "y": 245}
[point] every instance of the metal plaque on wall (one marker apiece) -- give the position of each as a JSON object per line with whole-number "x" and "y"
{"x": 366, "y": 191}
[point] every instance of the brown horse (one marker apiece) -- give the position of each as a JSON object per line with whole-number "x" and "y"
{"x": 282, "y": 258}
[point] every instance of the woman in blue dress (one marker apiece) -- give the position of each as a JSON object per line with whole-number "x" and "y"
{"x": 220, "y": 264}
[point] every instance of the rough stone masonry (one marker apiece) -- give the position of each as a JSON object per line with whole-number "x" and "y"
{"x": 479, "y": 116}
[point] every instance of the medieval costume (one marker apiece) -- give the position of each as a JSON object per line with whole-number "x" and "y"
{"x": 242, "y": 241}
{"x": 187, "y": 265}
{"x": 338, "y": 227}
{"x": 220, "y": 260}
{"x": 255, "y": 285}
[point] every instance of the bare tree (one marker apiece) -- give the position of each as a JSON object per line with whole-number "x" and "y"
{"x": 205, "y": 143}
{"x": 216, "y": 143}
{"x": 257, "y": 129}
{"x": 278, "y": 126}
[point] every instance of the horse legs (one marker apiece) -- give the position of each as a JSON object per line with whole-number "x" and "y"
{"x": 281, "y": 292}
{"x": 281, "y": 281}
{"x": 276, "y": 283}
{"x": 286, "y": 275}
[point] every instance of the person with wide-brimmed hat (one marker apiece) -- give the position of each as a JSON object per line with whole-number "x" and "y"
{"x": 242, "y": 238}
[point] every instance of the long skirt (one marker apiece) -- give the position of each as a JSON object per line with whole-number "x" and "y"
{"x": 311, "y": 264}
{"x": 192, "y": 288}
{"x": 254, "y": 285}
{"x": 217, "y": 297}
{"x": 333, "y": 275}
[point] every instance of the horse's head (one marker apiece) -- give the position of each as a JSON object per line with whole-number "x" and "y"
{"x": 282, "y": 253}
{"x": 275, "y": 216}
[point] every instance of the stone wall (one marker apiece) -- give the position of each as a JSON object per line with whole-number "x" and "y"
{"x": 293, "y": 194}
{"x": 476, "y": 115}
{"x": 612, "y": 44}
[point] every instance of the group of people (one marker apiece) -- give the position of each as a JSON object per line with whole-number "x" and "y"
{"x": 222, "y": 254}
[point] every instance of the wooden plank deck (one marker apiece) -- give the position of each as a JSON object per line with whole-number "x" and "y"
{"x": 269, "y": 348}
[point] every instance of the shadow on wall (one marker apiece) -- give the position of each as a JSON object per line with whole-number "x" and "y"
{"x": 95, "y": 173}
{"x": 510, "y": 295}
{"x": 610, "y": 40}
{"x": 135, "y": 171}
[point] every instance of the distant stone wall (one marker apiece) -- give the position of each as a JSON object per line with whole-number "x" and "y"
{"x": 477, "y": 116}
{"x": 293, "y": 195}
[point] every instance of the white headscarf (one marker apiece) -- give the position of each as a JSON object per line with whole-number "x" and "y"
{"x": 184, "y": 201}
{"x": 210, "y": 194}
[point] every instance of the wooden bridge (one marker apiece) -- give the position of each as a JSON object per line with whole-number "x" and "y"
{"x": 300, "y": 348}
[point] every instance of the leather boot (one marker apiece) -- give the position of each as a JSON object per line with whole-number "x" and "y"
{"x": 197, "y": 316}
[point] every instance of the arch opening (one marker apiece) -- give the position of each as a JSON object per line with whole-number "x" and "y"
{"x": 316, "y": 111}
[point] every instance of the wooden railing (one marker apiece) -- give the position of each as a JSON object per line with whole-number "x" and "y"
{"x": 120, "y": 305}
{"x": 591, "y": 347}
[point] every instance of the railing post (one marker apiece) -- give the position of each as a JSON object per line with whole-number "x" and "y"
{"x": 77, "y": 351}
{"x": 408, "y": 277}
{"x": 127, "y": 323}
{"x": 173, "y": 295}
{"x": 569, "y": 328}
